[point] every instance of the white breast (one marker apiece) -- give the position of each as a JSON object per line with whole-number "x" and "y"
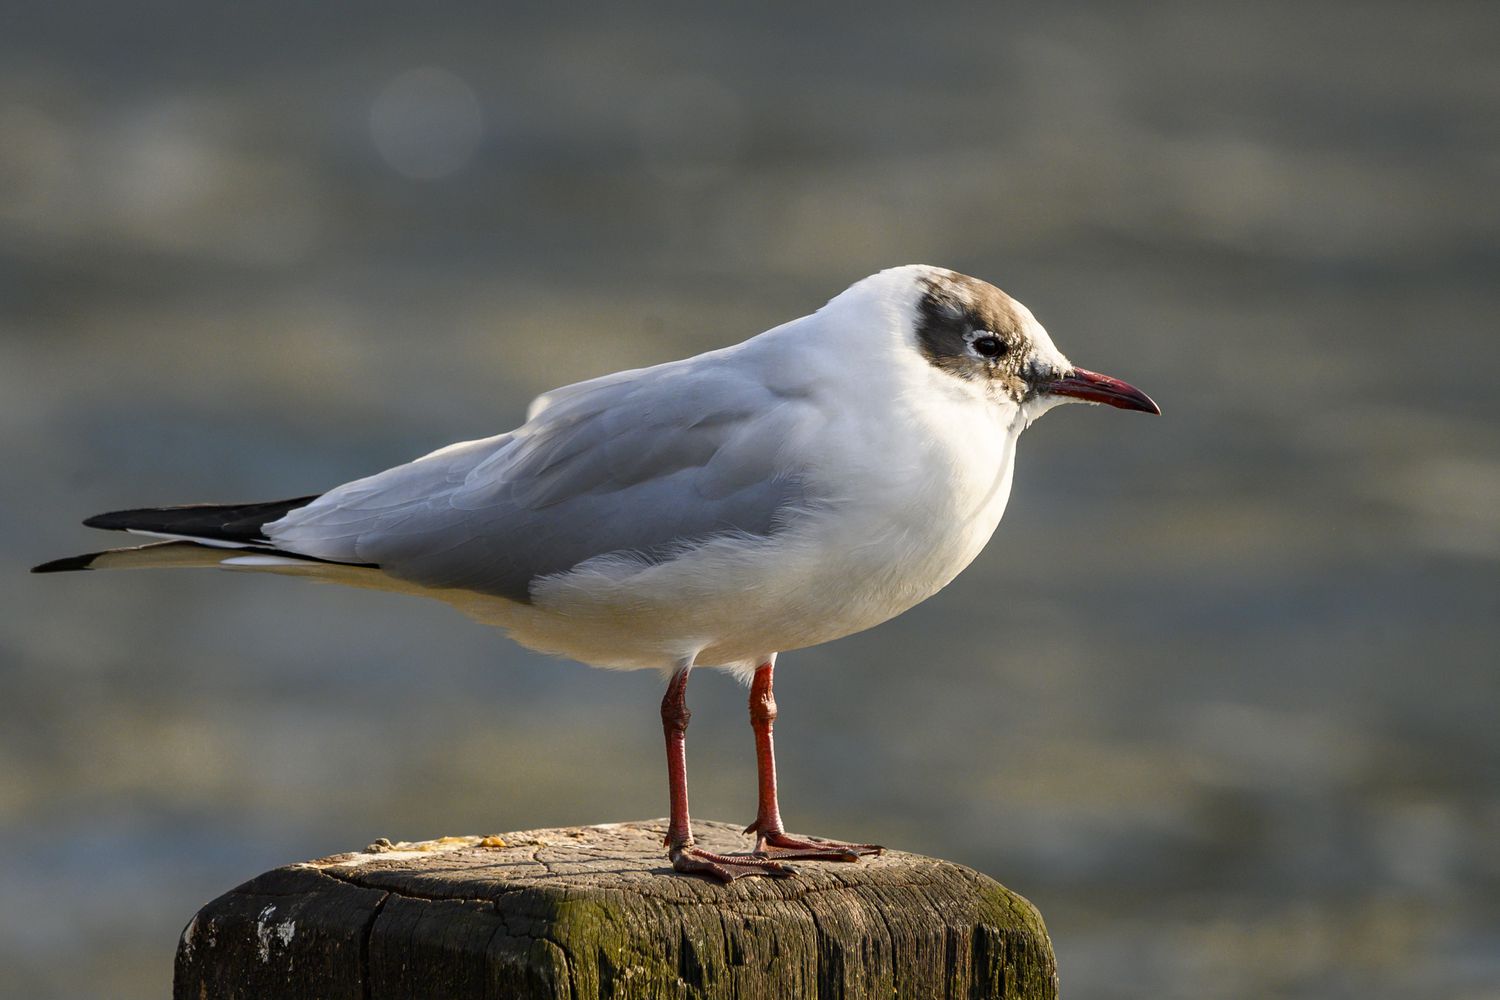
{"x": 912, "y": 490}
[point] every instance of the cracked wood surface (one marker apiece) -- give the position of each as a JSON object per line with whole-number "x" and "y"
{"x": 596, "y": 912}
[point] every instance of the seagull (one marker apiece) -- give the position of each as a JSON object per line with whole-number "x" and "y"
{"x": 809, "y": 483}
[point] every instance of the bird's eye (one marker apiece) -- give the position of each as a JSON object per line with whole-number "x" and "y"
{"x": 989, "y": 346}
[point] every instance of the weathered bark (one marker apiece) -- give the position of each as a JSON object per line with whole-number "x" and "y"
{"x": 596, "y": 912}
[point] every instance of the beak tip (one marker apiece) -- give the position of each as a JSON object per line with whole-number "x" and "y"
{"x": 1091, "y": 387}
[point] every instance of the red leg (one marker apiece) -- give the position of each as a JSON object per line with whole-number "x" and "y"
{"x": 772, "y": 839}
{"x": 679, "y": 839}
{"x": 674, "y": 723}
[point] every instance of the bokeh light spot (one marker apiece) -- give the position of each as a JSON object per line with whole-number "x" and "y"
{"x": 426, "y": 123}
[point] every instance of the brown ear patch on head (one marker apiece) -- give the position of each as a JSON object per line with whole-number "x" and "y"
{"x": 953, "y": 311}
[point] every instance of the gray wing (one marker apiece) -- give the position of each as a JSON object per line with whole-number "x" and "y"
{"x": 641, "y": 462}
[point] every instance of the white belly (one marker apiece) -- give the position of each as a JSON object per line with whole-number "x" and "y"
{"x": 910, "y": 520}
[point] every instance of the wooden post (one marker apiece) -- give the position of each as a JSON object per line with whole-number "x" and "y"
{"x": 594, "y": 912}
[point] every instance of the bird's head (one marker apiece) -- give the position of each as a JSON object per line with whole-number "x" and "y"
{"x": 971, "y": 331}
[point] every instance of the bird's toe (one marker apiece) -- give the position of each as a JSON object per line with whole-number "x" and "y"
{"x": 726, "y": 867}
{"x": 790, "y": 847}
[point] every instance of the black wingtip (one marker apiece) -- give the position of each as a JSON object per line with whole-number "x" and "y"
{"x": 235, "y": 522}
{"x": 119, "y": 520}
{"x": 68, "y": 564}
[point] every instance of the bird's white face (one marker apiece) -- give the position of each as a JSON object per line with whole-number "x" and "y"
{"x": 993, "y": 347}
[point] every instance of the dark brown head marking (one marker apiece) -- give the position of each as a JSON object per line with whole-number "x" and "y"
{"x": 973, "y": 331}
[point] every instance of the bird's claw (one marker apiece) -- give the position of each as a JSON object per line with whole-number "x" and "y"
{"x": 726, "y": 867}
{"x": 779, "y": 846}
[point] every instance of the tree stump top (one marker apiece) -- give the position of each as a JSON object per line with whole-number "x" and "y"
{"x": 596, "y": 911}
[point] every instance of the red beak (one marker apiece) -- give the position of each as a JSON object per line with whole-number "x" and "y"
{"x": 1091, "y": 387}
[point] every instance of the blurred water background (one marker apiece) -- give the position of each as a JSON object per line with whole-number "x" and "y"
{"x": 1221, "y": 697}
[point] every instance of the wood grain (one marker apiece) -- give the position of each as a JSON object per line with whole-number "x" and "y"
{"x": 596, "y": 912}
